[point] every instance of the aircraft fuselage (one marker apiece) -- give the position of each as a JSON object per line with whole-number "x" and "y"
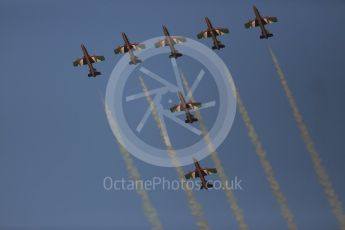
{"x": 189, "y": 117}
{"x": 87, "y": 58}
{"x": 260, "y": 21}
{"x": 170, "y": 41}
{"x": 129, "y": 48}
{"x": 183, "y": 101}
{"x": 200, "y": 173}
{"x": 211, "y": 30}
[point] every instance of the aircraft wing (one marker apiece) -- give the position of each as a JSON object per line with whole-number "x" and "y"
{"x": 205, "y": 172}
{"x": 217, "y": 31}
{"x": 161, "y": 43}
{"x": 265, "y": 20}
{"x": 269, "y": 20}
{"x": 204, "y": 34}
{"x": 177, "y": 108}
{"x": 190, "y": 105}
{"x": 165, "y": 42}
{"x": 136, "y": 46}
{"x": 93, "y": 59}
{"x": 124, "y": 49}
{"x": 121, "y": 50}
{"x": 210, "y": 171}
{"x": 191, "y": 175}
{"x": 178, "y": 40}
{"x": 79, "y": 62}
{"x": 251, "y": 24}
{"x": 221, "y": 31}
{"x": 194, "y": 105}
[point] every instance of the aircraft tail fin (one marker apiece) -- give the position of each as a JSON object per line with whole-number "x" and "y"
{"x": 175, "y": 55}
{"x": 95, "y": 74}
{"x": 218, "y": 45}
{"x": 266, "y": 37}
{"x": 190, "y": 119}
{"x": 208, "y": 185}
{"x": 135, "y": 61}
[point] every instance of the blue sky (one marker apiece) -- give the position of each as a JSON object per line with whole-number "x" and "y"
{"x": 56, "y": 146}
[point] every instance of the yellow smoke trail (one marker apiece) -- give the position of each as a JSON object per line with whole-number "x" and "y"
{"x": 260, "y": 152}
{"x": 320, "y": 170}
{"x": 194, "y": 205}
{"x": 266, "y": 165}
{"x": 149, "y": 210}
{"x": 238, "y": 213}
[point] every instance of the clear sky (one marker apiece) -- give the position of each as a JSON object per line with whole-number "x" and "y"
{"x": 56, "y": 145}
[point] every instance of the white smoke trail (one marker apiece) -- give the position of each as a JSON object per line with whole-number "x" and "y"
{"x": 238, "y": 213}
{"x": 150, "y": 212}
{"x": 194, "y": 205}
{"x": 320, "y": 170}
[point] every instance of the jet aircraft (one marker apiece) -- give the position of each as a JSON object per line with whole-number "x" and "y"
{"x": 89, "y": 60}
{"x": 170, "y": 41}
{"x": 201, "y": 173}
{"x": 213, "y": 33}
{"x": 261, "y": 22}
{"x": 186, "y": 106}
{"x": 128, "y": 48}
